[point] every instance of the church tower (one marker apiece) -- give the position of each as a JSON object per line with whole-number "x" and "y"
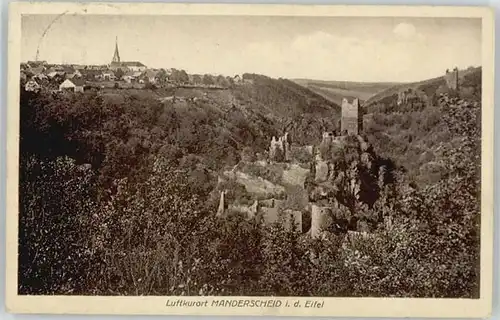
{"x": 116, "y": 56}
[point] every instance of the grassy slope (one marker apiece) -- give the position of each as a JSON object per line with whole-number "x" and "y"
{"x": 412, "y": 134}
{"x": 428, "y": 86}
{"x": 337, "y": 90}
{"x": 244, "y": 116}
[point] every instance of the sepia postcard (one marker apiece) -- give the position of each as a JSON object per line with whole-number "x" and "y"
{"x": 237, "y": 159}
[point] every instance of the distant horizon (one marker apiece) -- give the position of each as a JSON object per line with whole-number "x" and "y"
{"x": 250, "y": 72}
{"x": 357, "y": 49}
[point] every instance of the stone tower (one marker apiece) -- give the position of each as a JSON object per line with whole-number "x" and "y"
{"x": 321, "y": 219}
{"x": 222, "y": 204}
{"x": 352, "y": 117}
{"x": 116, "y": 56}
{"x": 451, "y": 79}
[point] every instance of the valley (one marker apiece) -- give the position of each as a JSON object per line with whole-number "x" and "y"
{"x": 253, "y": 182}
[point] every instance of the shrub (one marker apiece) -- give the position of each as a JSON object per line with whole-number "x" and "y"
{"x": 56, "y": 219}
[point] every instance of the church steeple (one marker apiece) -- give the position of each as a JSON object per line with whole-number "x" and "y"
{"x": 116, "y": 56}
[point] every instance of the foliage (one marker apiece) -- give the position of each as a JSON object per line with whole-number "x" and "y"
{"x": 56, "y": 217}
{"x": 119, "y": 74}
{"x": 431, "y": 248}
{"x": 179, "y": 76}
{"x": 138, "y": 217}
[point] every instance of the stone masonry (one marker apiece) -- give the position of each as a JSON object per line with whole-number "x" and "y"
{"x": 352, "y": 117}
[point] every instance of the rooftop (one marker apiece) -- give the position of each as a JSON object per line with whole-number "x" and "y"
{"x": 128, "y": 64}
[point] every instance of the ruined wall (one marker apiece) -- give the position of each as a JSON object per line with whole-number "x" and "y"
{"x": 250, "y": 211}
{"x": 221, "y": 208}
{"x": 285, "y": 140}
{"x": 322, "y": 171}
{"x": 327, "y": 137}
{"x": 279, "y": 150}
{"x": 402, "y": 98}
{"x": 452, "y": 78}
{"x": 321, "y": 219}
{"x": 268, "y": 216}
{"x": 276, "y": 152}
{"x": 352, "y": 117}
{"x": 268, "y": 211}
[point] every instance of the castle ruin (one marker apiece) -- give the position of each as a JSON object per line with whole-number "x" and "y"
{"x": 222, "y": 204}
{"x": 321, "y": 219}
{"x": 268, "y": 210}
{"x": 279, "y": 151}
{"x": 452, "y": 78}
{"x": 352, "y": 117}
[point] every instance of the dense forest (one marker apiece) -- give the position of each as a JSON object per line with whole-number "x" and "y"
{"x": 115, "y": 189}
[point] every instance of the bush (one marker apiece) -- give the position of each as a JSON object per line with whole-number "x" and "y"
{"x": 56, "y": 219}
{"x": 139, "y": 218}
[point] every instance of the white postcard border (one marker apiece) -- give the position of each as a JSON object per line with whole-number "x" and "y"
{"x": 360, "y": 307}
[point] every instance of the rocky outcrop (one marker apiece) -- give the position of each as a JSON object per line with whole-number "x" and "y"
{"x": 258, "y": 186}
{"x": 269, "y": 216}
{"x": 330, "y": 184}
{"x": 250, "y": 211}
{"x": 295, "y": 175}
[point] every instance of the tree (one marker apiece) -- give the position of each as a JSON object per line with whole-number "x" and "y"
{"x": 144, "y": 233}
{"x": 286, "y": 264}
{"x": 183, "y": 76}
{"x": 162, "y": 77}
{"x": 221, "y": 81}
{"x": 57, "y": 207}
{"x": 208, "y": 80}
{"x": 119, "y": 74}
{"x": 434, "y": 234}
{"x": 179, "y": 76}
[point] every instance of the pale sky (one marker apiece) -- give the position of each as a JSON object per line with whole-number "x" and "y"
{"x": 322, "y": 48}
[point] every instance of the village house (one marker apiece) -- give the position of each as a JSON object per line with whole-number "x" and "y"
{"x": 39, "y": 70}
{"x": 32, "y": 85}
{"x": 36, "y": 64}
{"x": 134, "y": 66}
{"x": 51, "y": 73}
{"x": 68, "y": 69}
{"x": 57, "y": 67}
{"x": 96, "y": 67}
{"x": 40, "y": 77}
{"x": 150, "y": 76}
{"x": 74, "y": 74}
{"x": 75, "y": 85}
{"x": 128, "y": 78}
{"x": 131, "y": 76}
{"x": 107, "y": 75}
{"x": 90, "y": 74}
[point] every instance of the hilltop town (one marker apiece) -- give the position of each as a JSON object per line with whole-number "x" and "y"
{"x": 118, "y": 74}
